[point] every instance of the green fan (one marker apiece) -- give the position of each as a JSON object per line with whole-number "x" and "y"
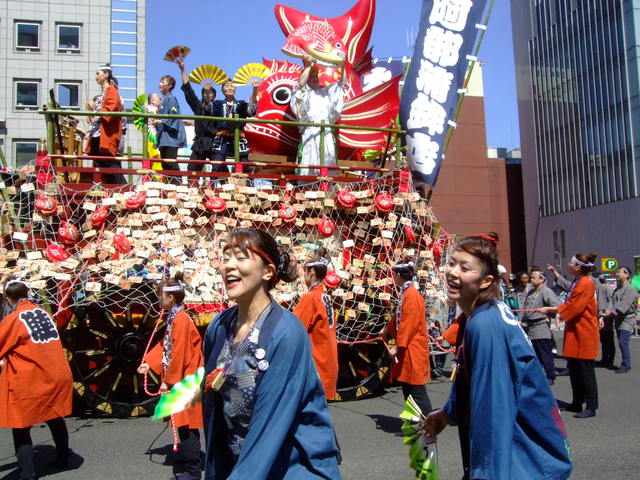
{"x": 423, "y": 454}
{"x": 139, "y": 106}
{"x": 635, "y": 282}
{"x": 180, "y": 395}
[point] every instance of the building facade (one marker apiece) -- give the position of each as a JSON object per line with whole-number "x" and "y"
{"x": 56, "y": 45}
{"x": 577, "y": 76}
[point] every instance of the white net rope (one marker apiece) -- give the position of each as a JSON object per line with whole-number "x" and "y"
{"x": 155, "y": 228}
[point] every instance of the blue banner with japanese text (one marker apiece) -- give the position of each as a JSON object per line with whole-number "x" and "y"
{"x": 446, "y": 36}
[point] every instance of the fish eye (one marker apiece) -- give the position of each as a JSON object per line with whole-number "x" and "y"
{"x": 282, "y": 95}
{"x": 339, "y": 45}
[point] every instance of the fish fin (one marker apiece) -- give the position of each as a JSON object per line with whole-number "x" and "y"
{"x": 292, "y": 49}
{"x": 363, "y": 64}
{"x": 377, "y": 107}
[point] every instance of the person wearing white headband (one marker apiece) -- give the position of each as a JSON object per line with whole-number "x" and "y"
{"x": 174, "y": 358}
{"x": 315, "y": 311}
{"x": 581, "y": 335}
{"x": 409, "y": 329}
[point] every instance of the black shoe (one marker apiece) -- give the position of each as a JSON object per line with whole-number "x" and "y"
{"x": 586, "y": 414}
{"x": 569, "y": 407}
{"x": 551, "y": 381}
{"x": 603, "y": 364}
{"x": 562, "y": 373}
{"x": 398, "y": 434}
{"x": 623, "y": 369}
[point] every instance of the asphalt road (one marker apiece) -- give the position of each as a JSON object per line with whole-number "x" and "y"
{"x": 604, "y": 447}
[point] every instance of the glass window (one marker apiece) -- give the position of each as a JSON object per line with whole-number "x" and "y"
{"x": 123, "y": 4}
{"x": 68, "y": 94}
{"x": 118, "y": 15}
{"x": 27, "y": 36}
{"x": 27, "y": 94}
{"x": 123, "y": 37}
{"x": 68, "y": 38}
{"x": 24, "y": 151}
{"x": 119, "y": 48}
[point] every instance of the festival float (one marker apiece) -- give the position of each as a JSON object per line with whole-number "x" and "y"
{"x": 92, "y": 254}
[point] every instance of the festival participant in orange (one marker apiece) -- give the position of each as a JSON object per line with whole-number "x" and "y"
{"x": 179, "y": 355}
{"x": 409, "y": 328}
{"x": 35, "y": 378}
{"x": 105, "y": 132}
{"x": 316, "y": 314}
{"x": 581, "y": 335}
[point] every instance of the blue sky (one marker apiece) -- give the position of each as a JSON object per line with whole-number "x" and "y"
{"x": 231, "y": 34}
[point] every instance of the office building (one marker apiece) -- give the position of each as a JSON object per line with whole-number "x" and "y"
{"x": 56, "y": 45}
{"x": 577, "y": 75}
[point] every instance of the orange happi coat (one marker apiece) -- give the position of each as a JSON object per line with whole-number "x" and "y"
{"x": 186, "y": 358}
{"x": 579, "y": 311}
{"x": 110, "y": 127}
{"x": 35, "y": 382}
{"x": 311, "y": 310}
{"x": 411, "y": 340}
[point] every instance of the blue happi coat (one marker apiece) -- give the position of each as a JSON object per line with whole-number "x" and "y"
{"x": 509, "y": 423}
{"x": 290, "y": 435}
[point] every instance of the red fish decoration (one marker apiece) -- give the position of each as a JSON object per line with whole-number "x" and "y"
{"x": 377, "y": 107}
{"x": 68, "y": 233}
{"x": 287, "y": 213}
{"x": 46, "y": 205}
{"x": 99, "y": 216}
{"x": 56, "y": 253}
{"x": 135, "y": 201}
{"x": 121, "y": 243}
{"x": 318, "y": 40}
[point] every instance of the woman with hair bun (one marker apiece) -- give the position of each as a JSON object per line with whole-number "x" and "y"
{"x": 581, "y": 335}
{"x": 35, "y": 378}
{"x": 177, "y": 356}
{"x": 316, "y": 313}
{"x": 264, "y": 406}
{"x": 508, "y": 420}
{"x": 409, "y": 329}
{"x": 105, "y": 132}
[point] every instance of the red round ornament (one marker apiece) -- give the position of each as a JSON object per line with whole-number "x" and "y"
{"x": 383, "y": 202}
{"x": 215, "y": 204}
{"x": 326, "y": 227}
{"x": 346, "y": 198}
{"x": 332, "y": 279}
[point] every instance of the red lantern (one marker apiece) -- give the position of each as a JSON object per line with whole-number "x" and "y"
{"x": 99, "y": 216}
{"x": 45, "y": 204}
{"x": 383, "y": 202}
{"x": 332, "y": 279}
{"x": 287, "y": 213}
{"x": 122, "y": 243}
{"x": 215, "y": 204}
{"x": 437, "y": 252}
{"x": 409, "y": 235}
{"x": 346, "y": 198}
{"x": 326, "y": 227}
{"x": 68, "y": 234}
{"x": 135, "y": 201}
{"x": 56, "y": 253}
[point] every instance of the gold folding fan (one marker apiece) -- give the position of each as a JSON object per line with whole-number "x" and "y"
{"x": 208, "y": 73}
{"x": 179, "y": 51}
{"x": 249, "y": 72}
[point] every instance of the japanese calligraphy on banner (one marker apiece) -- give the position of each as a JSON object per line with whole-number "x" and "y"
{"x": 446, "y": 36}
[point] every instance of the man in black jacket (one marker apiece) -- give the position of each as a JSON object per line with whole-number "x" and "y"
{"x": 205, "y": 130}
